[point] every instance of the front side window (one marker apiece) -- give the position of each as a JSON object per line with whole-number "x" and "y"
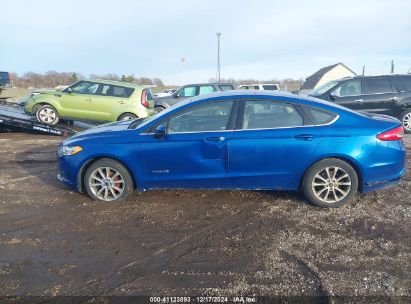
{"x": 203, "y": 118}
{"x": 378, "y": 86}
{"x": 348, "y": 88}
{"x": 270, "y": 115}
{"x": 85, "y": 87}
{"x": 323, "y": 88}
{"x": 188, "y": 92}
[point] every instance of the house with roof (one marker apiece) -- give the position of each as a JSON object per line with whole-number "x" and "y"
{"x": 326, "y": 74}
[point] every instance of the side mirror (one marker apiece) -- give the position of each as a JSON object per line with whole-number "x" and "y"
{"x": 333, "y": 95}
{"x": 69, "y": 90}
{"x": 160, "y": 131}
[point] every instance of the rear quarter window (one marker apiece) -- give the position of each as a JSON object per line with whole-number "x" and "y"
{"x": 319, "y": 117}
{"x": 226, "y": 87}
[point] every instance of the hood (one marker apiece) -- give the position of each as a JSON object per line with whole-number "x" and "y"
{"x": 106, "y": 130}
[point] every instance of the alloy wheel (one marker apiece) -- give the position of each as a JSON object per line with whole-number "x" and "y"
{"x": 406, "y": 121}
{"x": 47, "y": 115}
{"x": 106, "y": 183}
{"x": 331, "y": 184}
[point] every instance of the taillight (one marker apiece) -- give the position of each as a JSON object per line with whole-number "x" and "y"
{"x": 393, "y": 134}
{"x": 144, "y": 100}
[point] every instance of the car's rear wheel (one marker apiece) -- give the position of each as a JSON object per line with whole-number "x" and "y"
{"x": 108, "y": 180}
{"x": 127, "y": 116}
{"x": 159, "y": 108}
{"x": 330, "y": 183}
{"x": 406, "y": 120}
{"x": 47, "y": 114}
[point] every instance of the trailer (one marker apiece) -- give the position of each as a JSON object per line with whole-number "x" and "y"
{"x": 13, "y": 118}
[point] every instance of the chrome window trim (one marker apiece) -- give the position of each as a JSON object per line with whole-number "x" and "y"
{"x": 236, "y": 130}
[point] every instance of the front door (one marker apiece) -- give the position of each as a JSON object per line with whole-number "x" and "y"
{"x": 271, "y": 145}
{"x": 78, "y": 101}
{"x": 194, "y": 151}
{"x": 349, "y": 94}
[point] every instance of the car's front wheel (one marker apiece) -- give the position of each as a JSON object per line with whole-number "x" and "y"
{"x": 108, "y": 180}
{"x": 47, "y": 114}
{"x": 406, "y": 120}
{"x": 330, "y": 183}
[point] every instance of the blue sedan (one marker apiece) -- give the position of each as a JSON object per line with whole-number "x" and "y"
{"x": 239, "y": 140}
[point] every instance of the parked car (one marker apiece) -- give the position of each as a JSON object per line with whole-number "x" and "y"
{"x": 92, "y": 100}
{"x": 239, "y": 140}
{"x": 264, "y": 86}
{"x": 165, "y": 93}
{"x": 388, "y": 94}
{"x": 4, "y": 81}
{"x": 191, "y": 90}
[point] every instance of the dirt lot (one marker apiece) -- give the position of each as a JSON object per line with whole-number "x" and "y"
{"x": 56, "y": 242}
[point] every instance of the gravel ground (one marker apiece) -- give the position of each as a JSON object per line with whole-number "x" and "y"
{"x": 56, "y": 242}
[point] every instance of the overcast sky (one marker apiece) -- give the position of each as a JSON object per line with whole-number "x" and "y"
{"x": 260, "y": 39}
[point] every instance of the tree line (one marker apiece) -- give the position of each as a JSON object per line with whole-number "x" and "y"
{"x": 52, "y": 79}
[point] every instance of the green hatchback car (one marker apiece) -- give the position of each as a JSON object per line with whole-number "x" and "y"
{"x": 92, "y": 100}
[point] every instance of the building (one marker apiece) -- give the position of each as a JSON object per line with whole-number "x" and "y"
{"x": 332, "y": 72}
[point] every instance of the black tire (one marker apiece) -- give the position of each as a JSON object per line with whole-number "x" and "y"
{"x": 313, "y": 185}
{"x": 127, "y": 116}
{"x": 406, "y": 120}
{"x": 158, "y": 109}
{"x": 47, "y": 114}
{"x": 115, "y": 167}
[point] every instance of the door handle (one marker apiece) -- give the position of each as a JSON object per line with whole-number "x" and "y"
{"x": 215, "y": 139}
{"x": 359, "y": 100}
{"x": 306, "y": 137}
{"x": 121, "y": 102}
{"x": 89, "y": 99}
{"x": 394, "y": 98}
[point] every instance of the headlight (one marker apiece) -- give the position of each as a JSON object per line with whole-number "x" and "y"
{"x": 65, "y": 150}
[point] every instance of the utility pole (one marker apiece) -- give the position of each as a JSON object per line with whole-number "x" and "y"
{"x": 392, "y": 66}
{"x": 363, "y": 70}
{"x": 218, "y": 56}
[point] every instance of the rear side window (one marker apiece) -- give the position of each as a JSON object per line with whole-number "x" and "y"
{"x": 206, "y": 89}
{"x": 226, "y": 87}
{"x": 377, "y": 86}
{"x": 121, "y": 91}
{"x": 406, "y": 82}
{"x": 319, "y": 117}
{"x": 270, "y": 115}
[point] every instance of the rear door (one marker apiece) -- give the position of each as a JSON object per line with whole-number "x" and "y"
{"x": 271, "y": 145}
{"x": 109, "y": 100}
{"x": 379, "y": 96}
{"x": 349, "y": 94}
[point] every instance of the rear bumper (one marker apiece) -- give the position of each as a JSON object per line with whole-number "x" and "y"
{"x": 383, "y": 184}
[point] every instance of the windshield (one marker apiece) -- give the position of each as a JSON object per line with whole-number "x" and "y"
{"x": 323, "y": 88}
